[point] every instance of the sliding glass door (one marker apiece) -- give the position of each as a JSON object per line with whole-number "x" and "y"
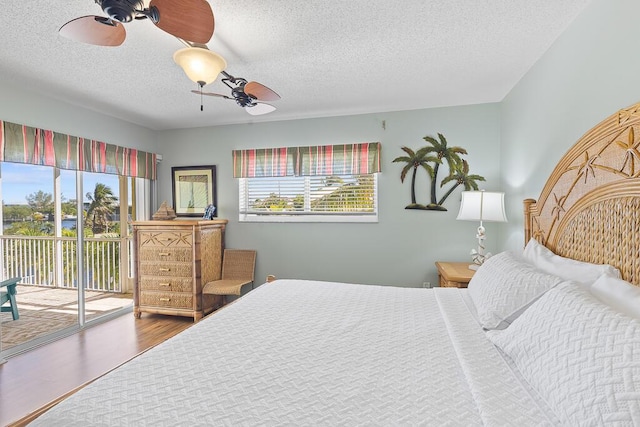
{"x": 106, "y": 269}
{"x": 66, "y": 234}
{"x": 32, "y": 247}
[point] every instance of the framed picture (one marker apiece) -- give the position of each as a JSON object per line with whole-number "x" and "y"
{"x": 194, "y": 188}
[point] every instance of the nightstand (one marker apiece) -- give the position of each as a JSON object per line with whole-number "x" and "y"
{"x": 454, "y": 274}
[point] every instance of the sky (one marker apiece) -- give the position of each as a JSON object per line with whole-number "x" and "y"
{"x": 20, "y": 180}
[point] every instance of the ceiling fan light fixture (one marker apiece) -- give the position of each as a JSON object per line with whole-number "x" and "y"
{"x": 200, "y": 65}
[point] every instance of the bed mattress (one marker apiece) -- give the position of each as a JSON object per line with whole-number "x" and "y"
{"x": 297, "y": 352}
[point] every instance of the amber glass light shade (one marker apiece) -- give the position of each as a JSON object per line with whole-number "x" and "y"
{"x": 200, "y": 65}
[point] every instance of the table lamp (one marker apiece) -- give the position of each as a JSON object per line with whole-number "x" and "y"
{"x": 481, "y": 206}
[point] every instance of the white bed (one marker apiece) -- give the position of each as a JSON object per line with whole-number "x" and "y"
{"x": 537, "y": 339}
{"x": 315, "y": 353}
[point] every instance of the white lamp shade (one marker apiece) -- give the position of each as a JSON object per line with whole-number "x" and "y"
{"x": 200, "y": 65}
{"x": 482, "y": 206}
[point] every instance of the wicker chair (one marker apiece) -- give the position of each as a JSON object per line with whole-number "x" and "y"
{"x": 238, "y": 266}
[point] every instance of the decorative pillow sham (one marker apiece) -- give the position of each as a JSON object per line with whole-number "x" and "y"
{"x": 580, "y": 355}
{"x": 618, "y": 294}
{"x": 567, "y": 268}
{"x": 504, "y": 286}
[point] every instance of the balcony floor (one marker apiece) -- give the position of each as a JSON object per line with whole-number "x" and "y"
{"x": 45, "y": 310}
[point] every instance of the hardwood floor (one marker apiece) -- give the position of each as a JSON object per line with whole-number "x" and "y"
{"x": 33, "y": 381}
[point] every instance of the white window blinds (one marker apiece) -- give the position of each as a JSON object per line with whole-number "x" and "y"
{"x": 322, "y": 198}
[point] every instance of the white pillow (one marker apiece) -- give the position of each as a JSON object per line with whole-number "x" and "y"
{"x": 618, "y": 294}
{"x": 504, "y": 286}
{"x": 581, "y": 356}
{"x": 567, "y": 268}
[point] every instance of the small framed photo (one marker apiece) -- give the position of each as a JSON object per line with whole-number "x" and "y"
{"x": 194, "y": 189}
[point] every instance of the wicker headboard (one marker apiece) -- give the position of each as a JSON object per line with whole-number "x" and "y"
{"x": 589, "y": 209}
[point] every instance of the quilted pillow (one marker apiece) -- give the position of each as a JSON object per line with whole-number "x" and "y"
{"x": 504, "y": 286}
{"x": 567, "y": 268}
{"x": 580, "y": 355}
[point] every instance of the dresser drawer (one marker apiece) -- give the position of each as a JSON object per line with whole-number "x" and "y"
{"x": 166, "y": 284}
{"x": 444, "y": 283}
{"x": 163, "y": 269}
{"x": 165, "y": 239}
{"x": 165, "y": 254}
{"x": 166, "y": 299}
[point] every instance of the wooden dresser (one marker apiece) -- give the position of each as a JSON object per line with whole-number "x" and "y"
{"x": 174, "y": 260}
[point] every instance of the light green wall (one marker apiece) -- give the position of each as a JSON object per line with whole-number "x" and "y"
{"x": 589, "y": 73}
{"x": 402, "y": 247}
{"x": 19, "y": 105}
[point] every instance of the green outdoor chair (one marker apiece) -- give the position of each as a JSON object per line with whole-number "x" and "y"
{"x": 9, "y": 296}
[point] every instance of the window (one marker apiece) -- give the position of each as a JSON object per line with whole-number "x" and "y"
{"x": 335, "y": 198}
{"x": 324, "y": 183}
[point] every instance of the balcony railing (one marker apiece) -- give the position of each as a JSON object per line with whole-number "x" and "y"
{"x": 52, "y": 261}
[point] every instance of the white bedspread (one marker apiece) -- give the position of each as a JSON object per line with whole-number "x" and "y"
{"x": 294, "y": 353}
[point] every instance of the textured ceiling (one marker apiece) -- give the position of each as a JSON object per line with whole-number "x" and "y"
{"x": 324, "y": 57}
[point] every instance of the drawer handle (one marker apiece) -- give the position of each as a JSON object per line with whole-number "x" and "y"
{"x": 165, "y": 299}
{"x": 164, "y": 269}
{"x": 165, "y": 284}
{"x": 164, "y": 254}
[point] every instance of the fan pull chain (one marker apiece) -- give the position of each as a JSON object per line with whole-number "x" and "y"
{"x": 200, "y": 86}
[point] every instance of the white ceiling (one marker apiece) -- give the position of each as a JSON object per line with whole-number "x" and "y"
{"x": 324, "y": 57}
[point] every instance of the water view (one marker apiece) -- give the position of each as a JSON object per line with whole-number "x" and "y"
{"x": 68, "y": 223}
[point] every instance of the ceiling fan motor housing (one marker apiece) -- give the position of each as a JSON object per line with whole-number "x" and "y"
{"x": 122, "y": 10}
{"x": 242, "y": 98}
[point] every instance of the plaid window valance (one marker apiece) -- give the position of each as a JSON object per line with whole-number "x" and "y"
{"x": 347, "y": 159}
{"x": 25, "y": 144}
{"x": 264, "y": 162}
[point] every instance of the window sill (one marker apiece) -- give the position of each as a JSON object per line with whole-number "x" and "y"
{"x": 308, "y": 218}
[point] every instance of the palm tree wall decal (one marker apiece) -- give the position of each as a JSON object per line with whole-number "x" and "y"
{"x": 414, "y": 160}
{"x": 430, "y": 158}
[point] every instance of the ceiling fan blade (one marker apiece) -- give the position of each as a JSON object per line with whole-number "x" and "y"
{"x": 96, "y": 30}
{"x": 219, "y": 95}
{"x": 260, "y": 92}
{"x": 190, "y": 20}
{"x": 259, "y": 109}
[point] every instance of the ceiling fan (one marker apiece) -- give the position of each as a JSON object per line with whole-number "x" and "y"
{"x": 190, "y": 20}
{"x": 248, "y": 95}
